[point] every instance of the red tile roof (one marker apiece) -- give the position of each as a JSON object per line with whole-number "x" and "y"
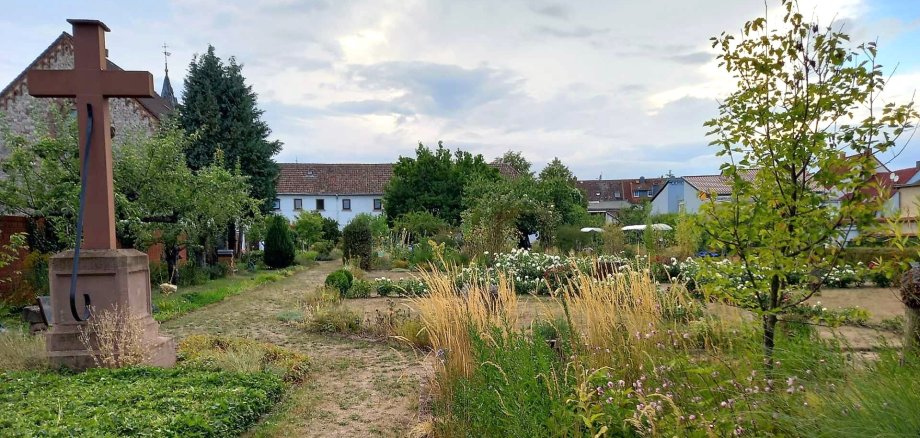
{"x": 341, "y": 179}
{"x": 886, "y": 181}
{"x": 603, "y": 190}
{"x": 333, "y": 179}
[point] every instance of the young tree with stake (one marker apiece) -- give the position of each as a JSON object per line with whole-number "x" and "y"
{"x": 803, "y": 99}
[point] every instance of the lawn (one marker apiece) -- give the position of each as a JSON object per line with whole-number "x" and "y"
{"x": 189, "y": 298}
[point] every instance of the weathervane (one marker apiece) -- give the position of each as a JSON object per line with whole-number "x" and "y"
{"x": 166, "y": 54}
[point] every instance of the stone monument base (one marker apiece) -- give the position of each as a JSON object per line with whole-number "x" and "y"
{"x": 112, "y": 278}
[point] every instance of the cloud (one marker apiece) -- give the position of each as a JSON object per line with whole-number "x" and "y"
{"x": 555, "y": 10}
{"x": 428, "y": 88}
{"x": 695, "y": 58}
{"x": 575, "y": 32}
{"x": 618, "y": 88}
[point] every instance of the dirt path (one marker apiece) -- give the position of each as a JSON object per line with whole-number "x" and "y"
{"x": 357, "y": 387}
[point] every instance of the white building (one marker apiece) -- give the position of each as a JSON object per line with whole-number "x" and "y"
{"x": 337, "y": 191}
{"x": 687, "y": 193}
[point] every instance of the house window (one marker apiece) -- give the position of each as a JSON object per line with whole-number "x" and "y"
{"x": 640, "y": 193}
{"x": 378, "y": 204}
{"x": 618, "y": 195}
{"x": 276, "y": 204}
{"x": 346, "y": 204}
{"x": 298, "y": 204}
{"x": 320, "y": 204}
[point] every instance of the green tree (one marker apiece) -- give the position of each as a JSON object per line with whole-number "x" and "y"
{"x": 419, "y": 225}
{"x": 688, "y": 235}
{"x": 557, "y": 185}
{"x": 434, "y": 181}
{"x": 161, "y": 201}
{"x": 41, "y": 180}
{"x": 803, "y": 96}
{"x": 358, "y": 241}
{"x": 279, "y": 244}
{"x": 221, "y": 113}
{"x": 331, "y": 230}
{"x": 557, "y": 170}
{"x": 308, "y": 228}
{"x": 635, "y": 214}
{"x": 516, "y": 161}
{"x": 528, "y": 207}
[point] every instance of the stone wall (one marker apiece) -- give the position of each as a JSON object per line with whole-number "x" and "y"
{"x": 25, "y": 114}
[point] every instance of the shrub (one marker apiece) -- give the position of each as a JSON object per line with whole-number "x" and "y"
{"x": 279, "y": 245}
{"x": 290, "y": 316}
{"x": 190, "y": 274}
{"x": 227, "y": 353}
{"x": 359, "y": 289}
{"x": 419, "y": 225}
{"x": 412, "y": 287}
{"x": 306, "y": 258}
{"x": 135, "y": 401}
{"x": 253, "y": 260}
{"x": 35, "y": 277}
{"x": 382, "y": 262}
{"x": 159, "y": 273}
{"x": 570, "y": 238}
{"x": 336, "y": 318}
{"x": 399, "y": 323}
{"x": 220, "y": 270}
{"x": 358, "y": 241}
{"x": 400, "y": 264}
{"x": 341, "y": 280}
{"x": 385, "y": 287}
{"x": 323, "y": 250}
{"x": 321, "y": 296}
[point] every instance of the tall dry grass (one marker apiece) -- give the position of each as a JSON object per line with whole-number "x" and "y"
{"x": 20, "y": 351}
{"x": 613, "y": 319}
{"x": 621, "y": 318}
{"x": 115, "y": 338}
{"x": 450, "y": 315}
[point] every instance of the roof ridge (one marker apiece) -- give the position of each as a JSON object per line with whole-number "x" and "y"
{"x": 22, "y": 75}
{"x": 144, "y": 102}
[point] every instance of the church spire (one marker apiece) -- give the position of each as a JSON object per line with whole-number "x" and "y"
{"x": 167, "y": 91}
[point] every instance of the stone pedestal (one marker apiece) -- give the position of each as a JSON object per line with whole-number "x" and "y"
{"x": 110, "y": 277}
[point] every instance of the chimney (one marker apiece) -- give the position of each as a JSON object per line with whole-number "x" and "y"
{"x": 918, "y": 164}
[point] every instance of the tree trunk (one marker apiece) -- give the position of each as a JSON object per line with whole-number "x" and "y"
{"x": 171, "y": 254}
{"x": 912, "y": 331}
{"x": 910, "y": 296}
{"x": 769, "y": 336}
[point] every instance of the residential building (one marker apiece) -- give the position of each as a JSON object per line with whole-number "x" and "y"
{"x": 337, "y": 191}
{"x": 608, "y": 197}
{"x": 687, "y": 193}
{"x": 907, "y": 201}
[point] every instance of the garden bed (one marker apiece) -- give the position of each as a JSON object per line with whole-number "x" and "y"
{"x": 135, "y": 402}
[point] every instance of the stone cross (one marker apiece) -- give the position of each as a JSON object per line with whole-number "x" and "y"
{"x": 90, "y": 83}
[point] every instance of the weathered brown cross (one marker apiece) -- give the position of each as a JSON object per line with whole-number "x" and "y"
{"x": 90, "y": 83}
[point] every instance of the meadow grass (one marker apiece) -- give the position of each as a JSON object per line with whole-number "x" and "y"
{"x": 629, "y": 359}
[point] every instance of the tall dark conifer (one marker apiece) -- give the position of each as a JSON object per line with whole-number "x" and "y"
{"x": 221, "y": 112}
